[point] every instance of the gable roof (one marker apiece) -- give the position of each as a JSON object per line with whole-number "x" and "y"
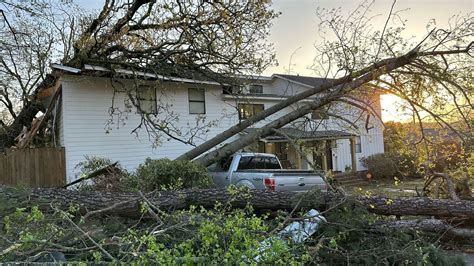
{"x": 302, "y": 80}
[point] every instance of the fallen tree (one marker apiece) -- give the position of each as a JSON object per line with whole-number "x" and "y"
{"x": 129, "y": 203}
{"x": 430, "y": 225}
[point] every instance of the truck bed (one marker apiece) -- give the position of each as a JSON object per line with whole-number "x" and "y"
{"x": 283, "y": 171}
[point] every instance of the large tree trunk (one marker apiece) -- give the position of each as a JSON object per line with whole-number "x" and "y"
{"x": 29, "y": 111}
{"x": 246, "y": 140}
{"x": 23, "y": 119}
{"x": 365, "y": 74}
{"x": 128, "y": 204}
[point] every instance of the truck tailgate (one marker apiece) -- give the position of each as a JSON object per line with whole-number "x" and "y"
{"x": 298, "y": 181}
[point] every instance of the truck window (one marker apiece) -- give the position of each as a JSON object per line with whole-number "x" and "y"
{"x": 247, "y": 162}
{"x": 272, "y": 163}
{"x": 259, "y": 163}
{"x": 223, "y": 165}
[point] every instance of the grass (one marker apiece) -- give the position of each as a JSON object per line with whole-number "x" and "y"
{"x": 389, "y": 188}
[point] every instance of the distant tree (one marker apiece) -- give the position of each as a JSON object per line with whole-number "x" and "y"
{"x": 34, "y": 35}
{"x": 196, "y": 39}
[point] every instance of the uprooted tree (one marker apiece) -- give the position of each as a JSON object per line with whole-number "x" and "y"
{"x": 210, "y": 39}
{"x": 225, "y": 41}
{"x": 217, "y": 40}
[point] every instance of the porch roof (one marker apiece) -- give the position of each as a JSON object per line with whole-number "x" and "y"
{"x": 295, "y": 133}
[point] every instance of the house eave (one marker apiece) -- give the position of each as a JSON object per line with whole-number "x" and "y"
{"x": 101, "y": 71}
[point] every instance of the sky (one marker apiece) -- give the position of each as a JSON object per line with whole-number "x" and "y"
{"x": 294, "y": 33}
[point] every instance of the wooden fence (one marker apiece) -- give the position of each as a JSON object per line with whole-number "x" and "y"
{"x": 37, "y": 167}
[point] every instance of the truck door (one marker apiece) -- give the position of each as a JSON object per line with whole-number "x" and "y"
{"x": 221, "y": 172}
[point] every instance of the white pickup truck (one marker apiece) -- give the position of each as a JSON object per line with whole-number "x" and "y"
{"x": 263, "y": 171}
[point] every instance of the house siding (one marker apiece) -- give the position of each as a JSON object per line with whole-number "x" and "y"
{"x": 85, "y": 110}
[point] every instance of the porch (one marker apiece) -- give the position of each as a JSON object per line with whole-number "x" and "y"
{"x": 299, "y": 149}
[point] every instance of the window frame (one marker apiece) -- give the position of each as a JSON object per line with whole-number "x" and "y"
{"x": 253, "y": 86}
{"x": 153, "y": 99}
{"x": 197, "y": 101}
{"x": 358, "y": 144}
{"x": 241, "y": 115}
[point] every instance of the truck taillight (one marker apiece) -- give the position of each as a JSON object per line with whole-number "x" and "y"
{"x": 269, "y": 183}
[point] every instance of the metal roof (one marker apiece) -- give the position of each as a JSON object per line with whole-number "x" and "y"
{"x": 199, "y": 78}
{"x": 87, "y": 69}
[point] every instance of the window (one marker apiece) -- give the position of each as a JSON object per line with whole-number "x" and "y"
{"x": 272, "y": 163}
{"x": 231, "y": 90}
{"x": 146, "y": 96}
{"x": 224, "y": 164}
{"x": 256, "y": 89}
{"x": 258, "y": 162}
{"x": 318, "y": 114}
{"x": 248, "y": 110}
{"x": 197, "y": 101}
{"x": 358, "y": 145}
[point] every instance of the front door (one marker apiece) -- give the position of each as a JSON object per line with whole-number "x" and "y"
{"x": 329, "y": 154}
{"x": 322, "y": 155}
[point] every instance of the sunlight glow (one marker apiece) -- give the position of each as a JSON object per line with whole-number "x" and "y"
{"x": 391, "y": 109}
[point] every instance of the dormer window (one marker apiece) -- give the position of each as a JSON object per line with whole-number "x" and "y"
{"x": 230, "y": 90}
{"x": 255, "y": 89}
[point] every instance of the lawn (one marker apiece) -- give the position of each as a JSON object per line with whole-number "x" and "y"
{"x": 390, "y": 188}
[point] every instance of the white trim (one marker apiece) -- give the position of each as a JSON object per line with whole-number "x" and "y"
{"x": 96, "y": 68}
{"x": 130, "y": 72}
{"x": 257, "y": 98}
{"x": 66, "y": 68}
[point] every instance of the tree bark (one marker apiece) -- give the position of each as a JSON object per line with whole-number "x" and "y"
{"x": 246, "y": 140}
{"x": 128, "y": 204}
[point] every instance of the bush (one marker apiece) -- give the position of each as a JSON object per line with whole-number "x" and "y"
{"x": 115, "y": 178}
{"x": 166, "y": 174}
{"x": 389, "y": 165}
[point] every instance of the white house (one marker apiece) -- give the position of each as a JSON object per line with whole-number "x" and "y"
{"x": 95, "y": 117}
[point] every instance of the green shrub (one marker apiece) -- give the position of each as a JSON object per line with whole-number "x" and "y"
{"x": 116, "y": 178}
{"x": 166, "y": 174}
{"x": 389, "y": 165}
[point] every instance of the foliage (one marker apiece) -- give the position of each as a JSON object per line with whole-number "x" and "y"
{"x": 166, "y": 174}
{"x": 115, "y": 178}
{"x": 220, "y": 235}
{"x": 390, "y": 165}
{"x": 353, "y": 236}
{"x": 446, "y": 154}
{"x": 462, "y": 176}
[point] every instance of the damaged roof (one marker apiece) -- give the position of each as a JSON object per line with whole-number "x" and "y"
{"x": 178, "y": 74}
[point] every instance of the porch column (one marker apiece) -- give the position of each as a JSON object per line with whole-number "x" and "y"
{"x": 324, "y": 157}
{"x": 353, "y": 155}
